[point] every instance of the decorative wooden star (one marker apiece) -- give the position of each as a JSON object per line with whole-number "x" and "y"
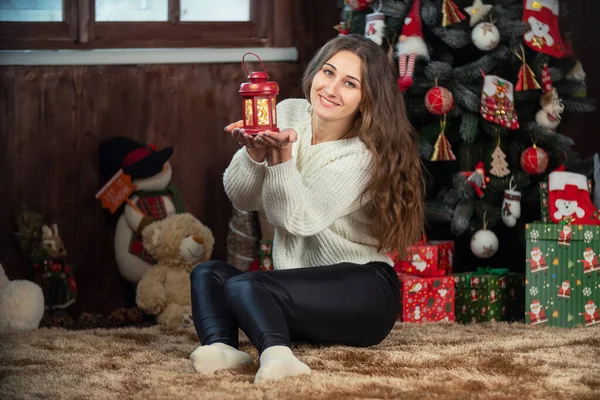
{"x": 477, "y": 12}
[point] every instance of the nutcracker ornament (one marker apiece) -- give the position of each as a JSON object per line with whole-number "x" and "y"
{"x": 497, "y": 102}
{"x": 411, "y": 45}
{"x": 477, "y": 178}
{"x": 552, "y": 107}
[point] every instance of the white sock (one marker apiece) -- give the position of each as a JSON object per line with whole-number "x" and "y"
{"x": 210, "y": 358}
{"x": 277, "y": 362}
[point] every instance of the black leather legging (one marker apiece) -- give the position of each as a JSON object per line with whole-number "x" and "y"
{"x": 350, "y": 304}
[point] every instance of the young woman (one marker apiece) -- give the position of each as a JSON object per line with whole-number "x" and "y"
{"x": 341, "y": 184}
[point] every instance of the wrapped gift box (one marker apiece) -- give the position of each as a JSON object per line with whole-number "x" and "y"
{"x": 563, "y": 274}
{"x": 430, "y": 258}
{"x": 489, "y": 294}
{"x": 265, "y": 255}
{"x": 426, "y": 299}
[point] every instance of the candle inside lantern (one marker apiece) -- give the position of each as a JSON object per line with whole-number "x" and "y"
{"x": 259, "y": 101}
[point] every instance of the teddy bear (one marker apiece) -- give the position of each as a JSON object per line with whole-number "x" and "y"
{"x": 178, "y": 243}
{"x": 539, "y": 30}
{"x": 21, "y": 304}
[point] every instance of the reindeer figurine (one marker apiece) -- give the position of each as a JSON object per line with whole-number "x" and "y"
{"x": 52, "y": 273}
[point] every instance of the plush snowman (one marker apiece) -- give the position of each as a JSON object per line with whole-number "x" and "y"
{"x": 154, "y": 198}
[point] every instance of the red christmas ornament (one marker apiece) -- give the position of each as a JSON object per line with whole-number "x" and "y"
{"x": 439, "y": 100}
{"x": 534, "y": 160}
{"x": 359, "y": 5}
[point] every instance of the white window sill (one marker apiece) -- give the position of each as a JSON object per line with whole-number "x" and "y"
{"x": 144, "y": 56}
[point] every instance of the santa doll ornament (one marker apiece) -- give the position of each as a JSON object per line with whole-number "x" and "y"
{"x": 411, "y": 44}
{"x": 552, "y": 106}
{"x": 569, "y": 199}
{"x": 477, "y": 179}
{"x": 543, "y": 35}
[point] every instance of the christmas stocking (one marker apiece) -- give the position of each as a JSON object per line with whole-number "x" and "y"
{"x": 511, "y": 207}
{"x": 544, "y": 34}
{"x": 498, "y": 102}
{"x": 569, "y": 198}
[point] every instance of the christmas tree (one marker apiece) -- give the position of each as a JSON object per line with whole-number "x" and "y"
{"x": 488, "y": 84}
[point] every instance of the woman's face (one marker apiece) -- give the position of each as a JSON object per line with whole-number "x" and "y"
{"x": 336, "y": 90}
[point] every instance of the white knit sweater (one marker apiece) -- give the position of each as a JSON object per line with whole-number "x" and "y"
{"x": 313, "y": 200}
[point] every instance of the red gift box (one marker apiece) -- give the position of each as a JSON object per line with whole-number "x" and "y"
{"x": 426, "y": 299}
{"x": 431, "y": 258}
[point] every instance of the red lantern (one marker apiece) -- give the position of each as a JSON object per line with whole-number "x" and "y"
{"x": 439, "y": 100}
{"x": 534, "y": 160}
{"x": 259, "y": 100}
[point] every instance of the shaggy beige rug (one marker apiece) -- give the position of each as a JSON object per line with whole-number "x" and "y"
{"x": 484, "y": 361}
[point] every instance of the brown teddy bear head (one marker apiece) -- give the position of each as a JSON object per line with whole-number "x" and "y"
{"x": 179, "y": 241}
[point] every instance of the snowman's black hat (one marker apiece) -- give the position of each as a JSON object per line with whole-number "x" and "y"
{"x": 137, "y": 159}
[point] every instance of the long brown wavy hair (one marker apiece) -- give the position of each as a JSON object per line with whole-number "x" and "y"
{"x": 396, "y": 189}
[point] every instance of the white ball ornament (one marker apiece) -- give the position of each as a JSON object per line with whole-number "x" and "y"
{"x": 484, "y": 243}
{"x": 485, "y": 36}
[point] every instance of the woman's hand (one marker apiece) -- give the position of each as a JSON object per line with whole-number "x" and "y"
{"x": 256, "y": 149}
{"x": 280, "y": 145}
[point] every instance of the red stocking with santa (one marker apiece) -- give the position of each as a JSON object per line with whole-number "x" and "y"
{"x": 569, "y": 199}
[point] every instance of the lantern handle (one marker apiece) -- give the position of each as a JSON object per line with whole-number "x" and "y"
{"x": 261, "y": 63}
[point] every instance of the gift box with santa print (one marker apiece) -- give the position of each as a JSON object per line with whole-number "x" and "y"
{"x": 427, "y": 258}
{"x": 424, "y": 299}
{"x": 489, "y": 294}
{"x": 562, "y": 274}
